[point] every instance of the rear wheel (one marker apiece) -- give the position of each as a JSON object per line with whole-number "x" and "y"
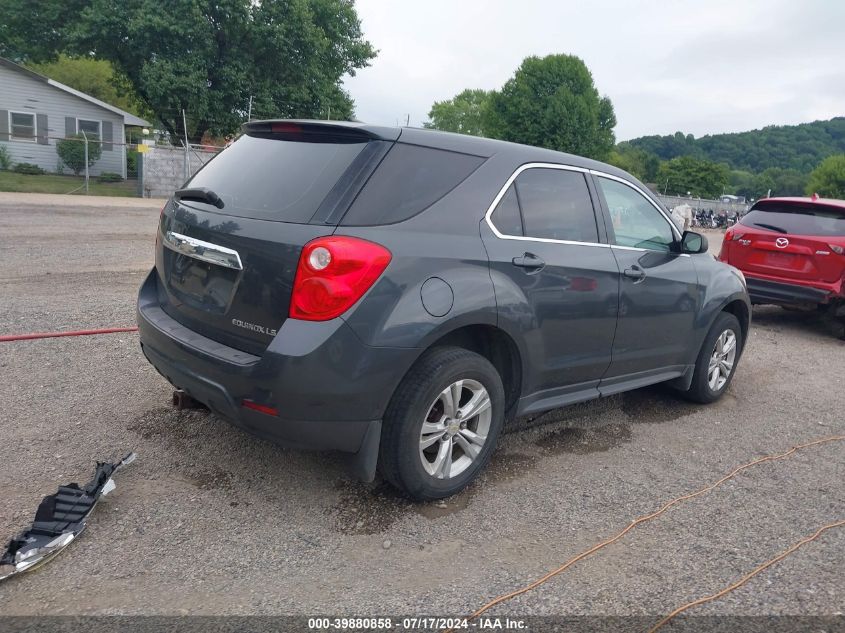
{"x": 442, "y": 424}
{"x": 716, "y": 363}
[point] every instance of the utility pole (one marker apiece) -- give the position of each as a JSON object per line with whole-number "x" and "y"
{"x": 249, "y": 112}
{"x": 85, "y": 136}
{"x": 186, "y": 171}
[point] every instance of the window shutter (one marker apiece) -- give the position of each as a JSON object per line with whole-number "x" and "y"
{"x": 108, "y": 136}
{"x": 4, "y": 125}
{"x": 70, "y": 126}
{"x": 41, "y": 129}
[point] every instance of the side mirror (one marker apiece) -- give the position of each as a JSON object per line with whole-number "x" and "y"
{"x": 693, "y": 243}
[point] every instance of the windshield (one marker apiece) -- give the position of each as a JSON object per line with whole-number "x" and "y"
{"x": 810, "y": 219}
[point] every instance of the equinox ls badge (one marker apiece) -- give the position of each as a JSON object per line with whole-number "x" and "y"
{"x": 255, "y": 328}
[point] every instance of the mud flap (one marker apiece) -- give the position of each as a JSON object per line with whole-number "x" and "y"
{"x": 362, "y": 465}
{"x": 60, "y": 518}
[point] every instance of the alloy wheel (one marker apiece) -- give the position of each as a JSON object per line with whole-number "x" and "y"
{"x": 455, "y": 429}
{"x": 722, "y": 360}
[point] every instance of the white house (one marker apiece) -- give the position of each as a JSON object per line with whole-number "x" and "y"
{"x": 36, "y": 111}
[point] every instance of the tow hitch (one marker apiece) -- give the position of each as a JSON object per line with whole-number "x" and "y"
{"x": 60, "y": 518}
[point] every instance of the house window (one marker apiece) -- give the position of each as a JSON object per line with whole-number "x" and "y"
{"x": 22, "y": 125}
{"x": 91, "y": 128}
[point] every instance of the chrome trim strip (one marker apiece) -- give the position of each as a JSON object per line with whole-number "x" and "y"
{"x": 203, "y": 251}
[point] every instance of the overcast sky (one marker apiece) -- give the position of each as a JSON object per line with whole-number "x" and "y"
{"x": 701, "y": 67}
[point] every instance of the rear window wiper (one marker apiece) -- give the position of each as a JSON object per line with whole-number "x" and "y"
{"x": 771, "y": 227}
{"x": 202, "y": 194}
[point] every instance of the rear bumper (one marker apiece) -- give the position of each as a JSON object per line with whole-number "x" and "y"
{"x": 330, "y": 389}
{"x": 777, "y": 292}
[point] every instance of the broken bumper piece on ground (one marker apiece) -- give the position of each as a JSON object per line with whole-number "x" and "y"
{"x": 58, "y": 521}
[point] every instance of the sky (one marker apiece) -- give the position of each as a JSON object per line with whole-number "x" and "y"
{"x": 700, "y": 67}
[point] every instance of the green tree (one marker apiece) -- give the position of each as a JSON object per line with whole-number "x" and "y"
{"x": 465, "y": 113}
{"x": 701, "y": 178}
{"x": 95, "y": 77}
{"x": 742, "y": 183}
{"x": 784, "y": 182}
{"x": 72, "y": 151}
{"x": 828, "y": 179}
{"x": 640, "y": 163}
{"x": 209, "y": 58}
{"x": 35, "y": 30}
{"x": 552, "y": 102}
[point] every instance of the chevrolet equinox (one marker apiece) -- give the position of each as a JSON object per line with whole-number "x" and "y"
{"x": 397, "y": 294}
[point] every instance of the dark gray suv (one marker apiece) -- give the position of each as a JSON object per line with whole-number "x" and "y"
{"x": 397, "y": 294}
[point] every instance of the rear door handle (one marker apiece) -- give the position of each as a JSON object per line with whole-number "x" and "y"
{"x": 529, "y": 261}
{"x": 636, "y": 273}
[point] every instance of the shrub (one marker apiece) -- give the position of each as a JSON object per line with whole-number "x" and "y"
{"x": 72, "y": 151}
{"x": 28, "y": 168}
{"x": 131, "y": 163}
{"x": 5, "y": 159}
{"x": 109, "y": 176}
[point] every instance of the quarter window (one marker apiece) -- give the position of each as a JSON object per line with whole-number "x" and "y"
{"x": 409, "y": 180}
{"x": 636, "y": 222}
{"x": 22, "y": 126}
{"x": 506, "y": 216}
{"x": 556, "y": 205}
{"x": 91, "y": 128}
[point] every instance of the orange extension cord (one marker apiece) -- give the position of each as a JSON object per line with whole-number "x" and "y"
{"x": 748, "y": 576}
{"x": 644, "y": 519}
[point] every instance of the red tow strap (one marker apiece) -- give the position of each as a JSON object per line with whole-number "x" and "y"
{"x": 5, "y": 338}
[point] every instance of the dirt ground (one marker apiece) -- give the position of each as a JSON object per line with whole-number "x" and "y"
{"x": 212, "y": 521}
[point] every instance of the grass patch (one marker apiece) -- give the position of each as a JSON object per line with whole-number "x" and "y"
{"x": 53, "y": 183}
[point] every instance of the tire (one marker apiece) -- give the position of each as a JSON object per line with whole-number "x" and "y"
{"x": 425, "y": 395}
{"x": 702, "y": 389}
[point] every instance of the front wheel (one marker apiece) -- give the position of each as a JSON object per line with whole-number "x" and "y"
{"x": 442, "y": 424}
{"x": 717, "y": 360}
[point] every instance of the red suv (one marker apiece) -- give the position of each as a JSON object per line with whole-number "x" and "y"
{"x": 792, "y": 251}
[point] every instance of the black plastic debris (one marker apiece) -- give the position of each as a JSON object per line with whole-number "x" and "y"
{"x": 60, "y": 518}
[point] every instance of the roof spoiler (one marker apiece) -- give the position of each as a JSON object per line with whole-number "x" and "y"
{"x": 320, "y": 131}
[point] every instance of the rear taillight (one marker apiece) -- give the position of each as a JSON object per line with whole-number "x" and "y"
{"x": 333, "y": 273}
{"x": 735, "y": 237}
{"x": 839, "y": 250}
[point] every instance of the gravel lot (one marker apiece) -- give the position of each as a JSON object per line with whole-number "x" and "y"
{"x": 212, "y": 521}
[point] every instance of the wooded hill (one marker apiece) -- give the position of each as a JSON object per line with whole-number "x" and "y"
{"x": 801, "y": 147}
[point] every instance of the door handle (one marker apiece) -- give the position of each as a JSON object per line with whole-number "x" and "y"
{"x": 529, "y": 261}
{"x": 636, "y": 273}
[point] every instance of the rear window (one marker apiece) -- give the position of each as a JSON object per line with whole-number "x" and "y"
{"x": 270, "y": 179}
{"x": 409, "y": 180}
{"x": 798, "y": 219}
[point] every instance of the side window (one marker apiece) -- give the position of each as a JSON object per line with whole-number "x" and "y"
{"x": 91, "y": 128}
{"x": 635, "y": 220}
{"x": 22, "y": 126}
{"x": 556, "y": 205}
{"x": 505, "y": 216}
